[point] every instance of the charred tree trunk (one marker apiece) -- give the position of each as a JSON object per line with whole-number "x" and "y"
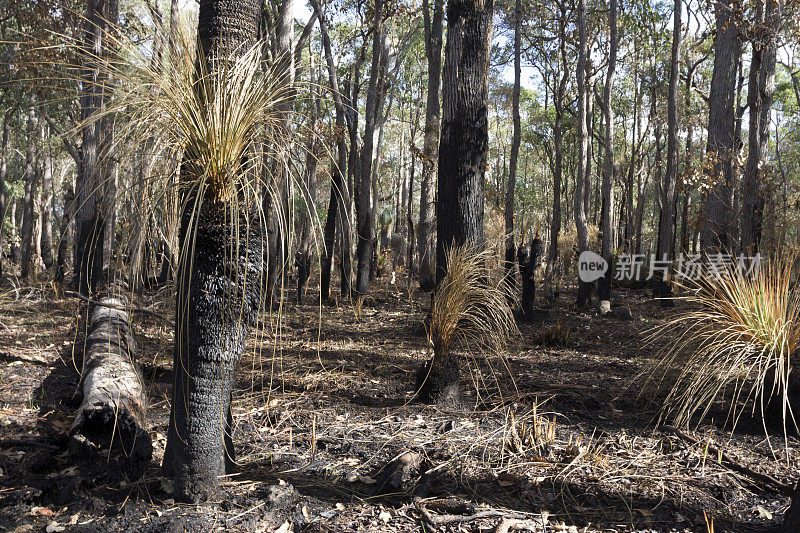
{"x": 45, "y": 210}
{"x": 26, "y": 228}
{"x": 511, "y": 183}
{"x": 218, "y": 294}
{"x": 3, "y": 171}
{"x": 463, "y": 151}
{"x": 791, "y": 518}
{"x": 113, "y": 402}
{"x": 529, "y": 259}
{"x": 716, "y": 210}
{"x": 339, "y": 199}
{"x": 430, "y": 147}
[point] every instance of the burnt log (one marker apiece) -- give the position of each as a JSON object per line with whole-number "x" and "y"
{"x": 113, "y": 403}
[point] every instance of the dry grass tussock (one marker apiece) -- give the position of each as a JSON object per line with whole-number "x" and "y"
{"x": 739, "y": 334}
{"x": 470, "y": 307}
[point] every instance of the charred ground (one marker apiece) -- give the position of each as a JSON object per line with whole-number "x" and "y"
{"x": 558, "y": 433}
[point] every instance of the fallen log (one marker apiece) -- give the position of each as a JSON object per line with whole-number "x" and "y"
{"x": 113, "y": 403}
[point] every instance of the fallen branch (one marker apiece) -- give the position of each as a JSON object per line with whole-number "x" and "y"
{"x": 113, "y": 404}
{"x": 27, "y": 443}
{"x": 766, "y": 479}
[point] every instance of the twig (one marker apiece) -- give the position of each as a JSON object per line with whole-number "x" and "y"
{"x": 782, "y": 488}
{"x": 459, "y": 519}
{"x": 118, "y": 307}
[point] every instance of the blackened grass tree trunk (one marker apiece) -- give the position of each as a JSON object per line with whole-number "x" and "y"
{"x": 581, "y": 182}
{"x": 717, "y": 209}
{"x": 759, "y": 99}
{"x": 607, "y": 211}
{"x": 511, "y": 183}
{"x": 463, "y": 151}
{"x": 529, "y": 258}
{"x": 340, "y": 197}
{"x": 220, "y": 276}
{"x": 90, "y": 221}
{"x": 365, "y": 212}
{"x": 430, "y": 144}
{"x": 666, "y": 225}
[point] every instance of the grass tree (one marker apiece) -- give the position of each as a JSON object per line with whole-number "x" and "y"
{"x": 742, "y": 334}
{"x": 469, "y": 309}
{"x": 463, "y": 151}
{"x": 215, "y": 107}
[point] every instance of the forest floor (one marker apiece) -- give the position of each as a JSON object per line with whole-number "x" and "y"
{"x": 560, "y": 437}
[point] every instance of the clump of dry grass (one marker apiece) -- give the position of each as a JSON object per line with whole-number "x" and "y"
{"x": 469, "y": 307}
{"x": 532, "y": 432}
{"x": 741, "y": 332}
{"x": 558, "y": 334}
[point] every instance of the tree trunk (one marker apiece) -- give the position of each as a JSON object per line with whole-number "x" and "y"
{"x": 410, "y": 209}
{"x": 430, "y": 147}
{"x": 791, "y": 518}
{"x": 511, "y": 183}
{"x": 666, "y": 226}
{"x": 26, "y": 229}
{"x": 112, "y": 412}
{"x": 716, "y": 210}
{"x": 218, "y": 296}
{"x": 365, "y": 212}
{"x": 340, "y": 197}
{"x": 759, "y": 99}
{"x": 689, "y": 159}
{"x": 278, "y": 194}
{"x": 304, "y": 246}
{"x": 581, "y": 184}
{"x": 558, "y": 144}
{"x": 16, "y": 254}
{"x": 463, "y": 151}
{"x": 607, "y": 213}
{"x": 45, "y": 209}
{"x": 89, "y": 216}
{"x": 3, "y": 171}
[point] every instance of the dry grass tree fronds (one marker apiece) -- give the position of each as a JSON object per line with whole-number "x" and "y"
{"x": 221, "y": 131}
{"x": 469, "y": 307}
{"x": 742, "y": 332}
